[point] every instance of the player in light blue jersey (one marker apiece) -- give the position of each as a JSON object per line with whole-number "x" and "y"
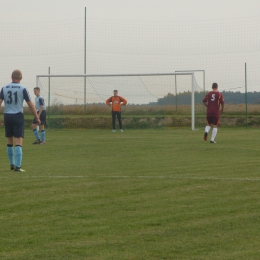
{"x": 41, "y": 111}
{"x": 13, "y": 96}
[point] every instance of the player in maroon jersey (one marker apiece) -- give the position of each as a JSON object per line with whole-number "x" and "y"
{"x": 213, "y": 100}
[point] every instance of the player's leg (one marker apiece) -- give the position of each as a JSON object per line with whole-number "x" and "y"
{"x": 207, "y": 128}
{"x": 42, "y": 128}
{"x": 120, "y": 121}
{"x": 18, "y": 150}
{"x": 113, "y": 121}
{"x": 34, "y": 127}
{"x": 18, "y": 135}
{"x": 215, "y": 130}
{"x": 214, "y": 133}
{"x": 9, "y": 135}
{"x": 10, "y": 152}
{"x": 42, "y": 134}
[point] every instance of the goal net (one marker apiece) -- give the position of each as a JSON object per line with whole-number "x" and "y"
{"x": 154, "y": 100}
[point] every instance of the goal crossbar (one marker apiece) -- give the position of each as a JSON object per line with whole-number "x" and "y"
{"x": 115, "y": 75}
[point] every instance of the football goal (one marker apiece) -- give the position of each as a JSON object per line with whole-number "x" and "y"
{"x": 154, "y": 100}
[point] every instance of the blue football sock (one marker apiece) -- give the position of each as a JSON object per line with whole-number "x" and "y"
{"x": 36, "y": 134}
{"x": 18, "y": 155}
{"x": 10, "y": 153}
{"x": 43, "y": 136}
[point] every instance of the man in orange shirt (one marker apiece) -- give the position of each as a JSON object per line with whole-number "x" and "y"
{"x": 116, "y": 102}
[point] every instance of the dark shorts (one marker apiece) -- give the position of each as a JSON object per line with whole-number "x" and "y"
{"x": 14, "y": 125}
{"x": 213, "y": 120}
{"x": 42, "y": 118}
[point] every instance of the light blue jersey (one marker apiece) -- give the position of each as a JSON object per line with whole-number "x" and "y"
{"x": 13, "y": 95}
{"x": 39, "y": 101}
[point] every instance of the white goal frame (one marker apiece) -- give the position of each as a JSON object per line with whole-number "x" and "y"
{"x": 129, "y": 75}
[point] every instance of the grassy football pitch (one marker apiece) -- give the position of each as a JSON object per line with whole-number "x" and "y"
{"x": 141, "y": 194}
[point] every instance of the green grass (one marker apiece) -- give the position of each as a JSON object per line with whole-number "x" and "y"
{"x": 150, "y": 194}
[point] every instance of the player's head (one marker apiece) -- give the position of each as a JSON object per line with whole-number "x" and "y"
{"x": 215, "y": 86}
{"x": 36, "y": 91}
{"x": 115, "y": 92}
{"x": 16, "y": 76}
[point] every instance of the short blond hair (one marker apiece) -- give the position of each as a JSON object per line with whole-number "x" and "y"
{"x": 17, "y": 75}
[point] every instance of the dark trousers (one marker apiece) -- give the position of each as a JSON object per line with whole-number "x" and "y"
{"x": 118, "y": 115}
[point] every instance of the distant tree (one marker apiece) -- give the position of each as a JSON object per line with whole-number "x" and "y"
{"x": 229, "y": 96}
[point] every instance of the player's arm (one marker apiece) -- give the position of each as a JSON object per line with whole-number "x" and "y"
{"x": 1, "y": 101}
{"x": 205, "y": 101}
{"x": 41, "y": 107}
{"x": 30, "y": 105}
{"x": 40, "y": 111}
{"x": 123, "y": 101}
{"x": 33, "y": 110}
{"x": 108, "y": 101}
{"x": 222, "y": 108}
{"x": 222, "y": 104}
{"x": 1, "y": 97}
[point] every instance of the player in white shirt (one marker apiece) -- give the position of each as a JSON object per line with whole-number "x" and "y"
{"x": 13, "y": 95}
{"x": 41, "y": 111}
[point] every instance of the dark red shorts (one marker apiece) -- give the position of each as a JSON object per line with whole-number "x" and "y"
{"x": 213, "y": 120}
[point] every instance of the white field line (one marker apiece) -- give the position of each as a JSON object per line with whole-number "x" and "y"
{"x": 131, "y": 177}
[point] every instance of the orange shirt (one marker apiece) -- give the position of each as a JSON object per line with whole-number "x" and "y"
{"x": 116, "y": 103}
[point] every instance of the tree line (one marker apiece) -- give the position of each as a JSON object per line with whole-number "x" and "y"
{"x": 229, "y": 97}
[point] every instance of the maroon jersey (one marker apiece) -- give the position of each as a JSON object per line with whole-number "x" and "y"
{"x": 213, "y": 99}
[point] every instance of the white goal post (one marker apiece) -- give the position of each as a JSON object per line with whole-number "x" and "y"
{"x": 89, "y": 76}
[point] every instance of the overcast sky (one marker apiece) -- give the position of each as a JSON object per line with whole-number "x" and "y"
{"x": 160, "y": 10}
{"x": 132, "y": 36}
